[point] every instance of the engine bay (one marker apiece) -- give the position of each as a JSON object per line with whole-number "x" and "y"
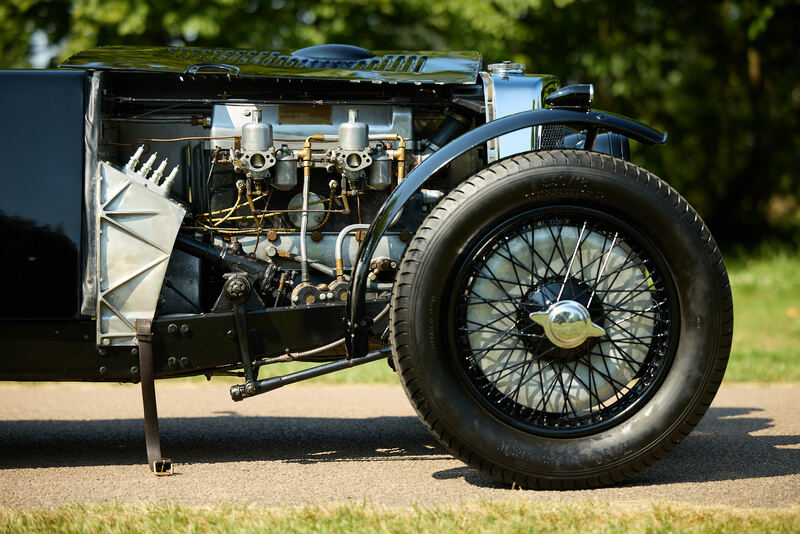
{"x": 291, "y": 184}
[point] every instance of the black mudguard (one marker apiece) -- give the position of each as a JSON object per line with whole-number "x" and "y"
{"x": 609, "y": 143}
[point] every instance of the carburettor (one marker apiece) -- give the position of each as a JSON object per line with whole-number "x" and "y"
{"x": 354, "y": 155}
{"x": 257, "y": 153}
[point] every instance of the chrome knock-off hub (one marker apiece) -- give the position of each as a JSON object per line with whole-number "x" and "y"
{"x": 567, "y": 324}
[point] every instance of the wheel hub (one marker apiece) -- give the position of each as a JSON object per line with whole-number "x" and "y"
{"x": 567, "y": 324}
{"x": 541, "y": 299}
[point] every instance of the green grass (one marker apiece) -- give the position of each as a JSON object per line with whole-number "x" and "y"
{"x": 766, "y": 305}
{"x": 490, "y": 517}
{"x": 377, "y": 372}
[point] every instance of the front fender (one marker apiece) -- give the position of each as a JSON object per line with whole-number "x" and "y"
{"x": 357, "y": 343}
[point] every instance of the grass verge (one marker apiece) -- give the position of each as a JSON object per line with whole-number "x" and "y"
{"x": 766, "y": 306}
{"x": 490, "y": 517}
{"x": 377, "y": 372}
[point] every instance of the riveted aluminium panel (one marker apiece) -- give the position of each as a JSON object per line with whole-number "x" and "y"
{"x": 136, "y": 229}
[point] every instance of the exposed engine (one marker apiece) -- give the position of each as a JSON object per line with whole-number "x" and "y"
{"x": 298, "y": 194}
{"x": 290, "y": 185}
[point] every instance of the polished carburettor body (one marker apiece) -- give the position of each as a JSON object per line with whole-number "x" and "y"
{"x": 222, "y": 210}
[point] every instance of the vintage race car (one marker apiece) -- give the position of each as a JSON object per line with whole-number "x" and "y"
{"x": 558, "y": 316}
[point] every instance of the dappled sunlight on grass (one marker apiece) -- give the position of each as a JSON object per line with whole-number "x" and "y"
{"x": 766, "y": 303}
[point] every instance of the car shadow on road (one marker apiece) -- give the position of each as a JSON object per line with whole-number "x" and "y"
{"x": 722, "y": 447}
{"x": 225, "y": 438}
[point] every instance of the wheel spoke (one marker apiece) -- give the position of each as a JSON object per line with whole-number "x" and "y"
{"x": 568, "y": 388}
{"x": 571, "y": 261}
{"x": 485, "y": 325}
{"x": 611, "y": 278}
{"x": 498, "y": 282}
{"x": 608, "y": 375}
{"x": 503, "y": 314}
{"x": 545, "y": 400}
{"x": 588, "y": 387}
{"x": 484, "y": 351}
{"x": 512, "y": 367}
{"x": 514, "y": 264}
{"x": 602, "y": 268}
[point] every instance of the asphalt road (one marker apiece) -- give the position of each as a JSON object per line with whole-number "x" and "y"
{"x": 63, "y": 443}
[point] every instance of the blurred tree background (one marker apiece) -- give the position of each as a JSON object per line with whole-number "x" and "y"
{"x": 720, "y": 76}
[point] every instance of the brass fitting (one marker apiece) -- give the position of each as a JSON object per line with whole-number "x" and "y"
{"x": 399, "y": 154}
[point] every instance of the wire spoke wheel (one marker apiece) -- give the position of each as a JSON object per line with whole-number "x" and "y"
{"x": 563, "y": 320}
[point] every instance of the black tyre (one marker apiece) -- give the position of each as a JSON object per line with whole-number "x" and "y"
{"x": 561, "y": 320}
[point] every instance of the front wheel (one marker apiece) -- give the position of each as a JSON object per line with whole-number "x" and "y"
{"x": 561, "y": 319}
